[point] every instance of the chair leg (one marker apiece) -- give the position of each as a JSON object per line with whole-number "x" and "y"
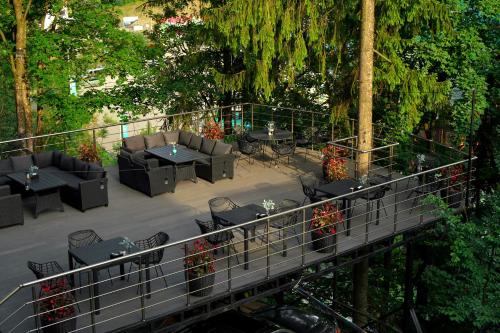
{"x": 110, "y": 278}
{"x": 129, "y": 270}
{"x": 235, "y": 252}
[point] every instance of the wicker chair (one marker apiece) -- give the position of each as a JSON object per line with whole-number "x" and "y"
{"x": 220, "y": 204}
{"x": 249, "y": 148}
{"x": 219, "y": 240}
{"x": 309, "y": 181}
{"x": 303, "y": 140}
{"x": 282, "y": 149}
{"x": 153, "y": 258}
{"x": 83, "y": 238}
{"x": 286, "y": 222}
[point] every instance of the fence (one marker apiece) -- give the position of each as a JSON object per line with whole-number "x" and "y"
{"x": 285, "y": 242}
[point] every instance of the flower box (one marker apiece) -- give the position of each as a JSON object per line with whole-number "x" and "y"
{"x": 323, "y": 243}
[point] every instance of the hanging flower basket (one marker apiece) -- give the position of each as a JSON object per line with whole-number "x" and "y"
{"x": 200, "y": 268}
{"x": 323, "y": 227}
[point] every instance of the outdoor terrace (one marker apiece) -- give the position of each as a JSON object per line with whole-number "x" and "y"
{"x": 136, "y": 216}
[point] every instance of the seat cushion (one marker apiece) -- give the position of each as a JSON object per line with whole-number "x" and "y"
{"x": 4, "y": 180}
{"x": 5, "y": 167}
{"x": 21, "y": 163}
{"x": 222, "y": 148}
{"x": 171, "y": 137}
{"x": 154, "y": 140}
{"x": 81, "y": 168}
{"x": 71, "y": 179}
{"x": 67, "y": 163}
{"x": 134, "y": 143}
{"x": 56, "y": 158}
{"x": 195, "y": 142}
{"x": 185, "y": 138}
{"x": 207, "y": 146}
{"x": 43, "y": 159}
{"x": 95, "y": 172}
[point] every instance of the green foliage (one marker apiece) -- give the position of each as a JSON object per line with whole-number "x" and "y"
{"x": 464, "y": 285}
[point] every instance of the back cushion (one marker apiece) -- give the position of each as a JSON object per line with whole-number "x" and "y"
{"x": 154, "y": 140}
{"x": 21, "y": 163}
{"x": 67, "y": 163}
{"x": 222, "y": 149}
{"x": 207, "y": 146}
{"x": 5, "y": 167}
{"x": 81, "y": 168}
{"x": 56, "y": 158}
{"x": 171, "y": 137}
{"x": 195, "y": 142}
{"x": 134, "y": 143}
{"x": 95, "y": 171}
{"x": 185, "y": 138}
{"x": 43, "y": 159}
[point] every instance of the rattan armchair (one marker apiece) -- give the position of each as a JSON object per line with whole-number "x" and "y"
{"x": 309, "y": 182}
{"x": 218, "y": 240}
{"x": 220, "y": 204}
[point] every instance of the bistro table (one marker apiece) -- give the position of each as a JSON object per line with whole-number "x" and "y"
{"x": 46, "y": 188}
{"x": 183, "y": 159}
{"x": 238, "y": 216}
{"x": 100, "y": 252}
{"x": 342, "y": 187}
{"x": 278, "y": 135}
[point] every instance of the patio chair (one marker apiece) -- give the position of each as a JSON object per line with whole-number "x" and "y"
{"x": 303, "y": 140}
{"x": 280, "y": 150}
{"x": 375, "y": 197}
{"x": 309, "y": 181}
{"x": 249, "y": 148}
{"x": 221, "y": 239}
{"x": 287, "y": 222}
{"x": 11, "y": 207}
{"x": 220, "y": 204}
{"x": 153, "y": 258}
{"x": 82, "y": 238}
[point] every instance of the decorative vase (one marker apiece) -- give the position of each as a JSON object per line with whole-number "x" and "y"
{"x": 60, "y": 327}
{"x": 323, "y": 243}
{"x": 202, "y": 285}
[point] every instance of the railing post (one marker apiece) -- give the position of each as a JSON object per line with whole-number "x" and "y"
{"x": 268, "y": 252}
{"x": 141, "y": 291}
{"x": 303, "y": 237}
{"x": 368, "y": 215}
{"x": 94, "y": 142}
{"x": 186, "y": 274}
{"x": 252, "y": 116}
{"x": 424, "y": 182}
{"x": 395, "y": 207}
{"x": 391, "y": 157}
{"x": 242, "y": 118}
{"x": 64, "y": 143}
{"x": 90, "y": 278}
{"x": 312, "y": 131}
{"x": 229, "y": 278}
{"x": 35, "y": 309}
{"x": 148, "y": 127}
{"x": 292, "y": 121}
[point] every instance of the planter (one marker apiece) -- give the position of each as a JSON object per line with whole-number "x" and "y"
{"x": 323, "y": 243}
{"x": 62, "y": 327}
{"x": 201, "y": 286}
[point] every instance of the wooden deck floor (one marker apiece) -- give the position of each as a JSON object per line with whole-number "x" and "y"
{"x": 137, "y": 216}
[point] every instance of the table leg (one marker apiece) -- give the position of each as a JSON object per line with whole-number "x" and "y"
{"x": 97, "y": 303}
{"x": 378, "y": 212}
{"x": 245, "y": 250}
{"x": 122, "y": 271}
{"x": 148, "y": 282}
{"x": 347, "y": 204}
{"x": 71, "y": 267}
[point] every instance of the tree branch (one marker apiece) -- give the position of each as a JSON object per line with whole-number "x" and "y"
{"x": 381, "y": 55}
{"x": 27, "y": 9}
{"x": 11, "y": 57}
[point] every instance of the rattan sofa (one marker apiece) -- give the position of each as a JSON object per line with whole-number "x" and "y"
{"x": 87, "y": 185}
{"x": 11, "y": 207}
{"x": 217, "y": 164}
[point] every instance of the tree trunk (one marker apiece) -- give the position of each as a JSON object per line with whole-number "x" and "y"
{"x": 228, "y": 96}
{"x": 23, "y": 108}
{"x": 360, "y": 278}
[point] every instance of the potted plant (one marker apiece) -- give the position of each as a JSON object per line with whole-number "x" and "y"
{"x": 200, "y": 268}
{"x": 56, "y": 309}
{"x": 334, "y": 163}
{"x": 451, "y": 185}
{"x": 212, "y": 130}
{"x": 88, "y": 153}
{"x": 323, "y": 227}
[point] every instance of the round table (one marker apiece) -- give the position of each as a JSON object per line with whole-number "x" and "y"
{"x": 263, "y": 135}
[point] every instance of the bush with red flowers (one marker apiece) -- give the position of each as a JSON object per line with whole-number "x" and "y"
{"x": 334, "y": 163}
{"x": 88, "y": 153}
{"x": 212, "y": 130}
{"x": 199, "y": 260}
{"x": 325, "y": 219}
{"x": 56, "y": 302}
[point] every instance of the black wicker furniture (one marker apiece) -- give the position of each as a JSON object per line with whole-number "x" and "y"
{"x": 287, "y": 222}
{"x": 218, "y": 240}
{"x": 248, "y": 147}
{"x": 220, "y": 204}
{"x": 309, "y": 183}
{"x": 282, "y": 150}
{"x": 11, "y": 207}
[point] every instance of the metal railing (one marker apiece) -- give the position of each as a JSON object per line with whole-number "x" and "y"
{"x": 282, "y": 243}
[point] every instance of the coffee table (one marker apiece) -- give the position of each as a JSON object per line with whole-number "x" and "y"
{"x": 184, "y": 160}
{"x": 241, "y": 215}
{"x": 100, "y": 252}
{"x": 45, "y": 187}
{"x": 342, "y": 187}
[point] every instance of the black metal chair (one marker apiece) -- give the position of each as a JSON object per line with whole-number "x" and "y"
{"x": 280, "y": 150}
{"x": 249, "y": 148}
{"x": 218, "y": 240}
{"x": 287, "y": 222}
{"x": 220, "y": 204}
{"x": 153, "y": 258}
{"x": 303, "y": 140}
{"x": 309, "y": 181}
{"x": 83, "y": 238}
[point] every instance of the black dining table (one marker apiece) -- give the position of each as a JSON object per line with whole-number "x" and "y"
{"x": 278, "y": 135}
{"x": 238, "y": 216}
{"x": 342, "y": 187}
{"x": 100, "y": 252}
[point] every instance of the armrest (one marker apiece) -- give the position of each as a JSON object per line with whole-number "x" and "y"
{"x": 222, "y": 158}
{"x": 99, "y": 183}
{"x": 4, "y": 190}
{"x": 149, "y": 163}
